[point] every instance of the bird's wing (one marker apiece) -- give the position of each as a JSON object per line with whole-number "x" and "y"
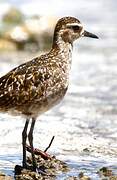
{"x": 23, "y": 83}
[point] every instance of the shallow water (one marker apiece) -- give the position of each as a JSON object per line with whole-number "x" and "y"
{"x": 84, "y": 124}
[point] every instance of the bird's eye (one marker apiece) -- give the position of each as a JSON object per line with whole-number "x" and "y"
{"x": 75, "y": 28}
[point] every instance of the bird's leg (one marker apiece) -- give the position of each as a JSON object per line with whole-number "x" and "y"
{"x": 24, "y": 137}
{"x": 30, "y": 138}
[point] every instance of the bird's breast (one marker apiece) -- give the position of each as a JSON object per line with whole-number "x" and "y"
{"x": 47, "y": 101}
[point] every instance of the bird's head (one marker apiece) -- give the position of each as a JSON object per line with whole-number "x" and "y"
{"x": 70, "y": 29}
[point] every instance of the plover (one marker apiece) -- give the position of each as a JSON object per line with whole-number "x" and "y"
{"x": 37, "y": 85}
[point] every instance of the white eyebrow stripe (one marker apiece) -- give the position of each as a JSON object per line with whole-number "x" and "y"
{"x": 74, "y": 24}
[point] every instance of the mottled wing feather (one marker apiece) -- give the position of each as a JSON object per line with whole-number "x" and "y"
{"x": 22, "y": 84}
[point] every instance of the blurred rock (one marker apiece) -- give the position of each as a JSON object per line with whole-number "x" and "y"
{"x": 83, "y": 177}
{"x": 4, "y": 177}
{"x": 106, "y": 174}
{"x": 26, "y": 33}
{"x": 7, "y": 45}
{"x": 13, "y": 16}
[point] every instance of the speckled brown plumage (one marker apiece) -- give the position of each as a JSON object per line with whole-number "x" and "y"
{"x": 30, "y": 88}
{"x": 34, "y": 87}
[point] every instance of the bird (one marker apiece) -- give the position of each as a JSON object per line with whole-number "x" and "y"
{"x": 36, "y": 86}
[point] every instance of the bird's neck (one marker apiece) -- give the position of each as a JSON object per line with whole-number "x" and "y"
{"x": 61, "y": 54}
{"x": 62, "y": 49}
{"x": 60, "y": 43}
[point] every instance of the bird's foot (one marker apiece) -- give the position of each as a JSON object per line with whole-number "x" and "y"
{"x": 19, "y": 169}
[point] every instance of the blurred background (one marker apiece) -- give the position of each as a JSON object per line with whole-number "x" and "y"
{"x": 84, "y": 124}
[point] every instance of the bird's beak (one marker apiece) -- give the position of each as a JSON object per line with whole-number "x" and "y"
{"x": 88, "y": 34}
